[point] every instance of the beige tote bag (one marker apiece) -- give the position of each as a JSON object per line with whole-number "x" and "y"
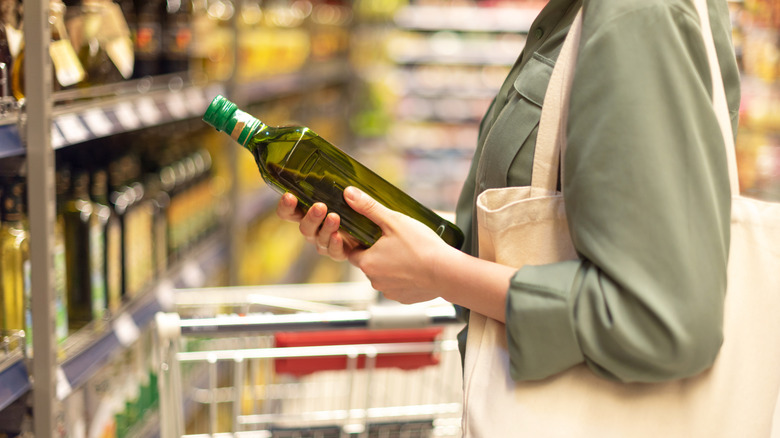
{"x": 737, "y": 397}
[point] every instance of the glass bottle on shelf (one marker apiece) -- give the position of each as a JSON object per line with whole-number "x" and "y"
{"x": 14, "y": 258}
{"x": 104, "y": 46}
{"x": 6, "y": 58}
{"x": 67, "y": 68}
{"x": 84, "y": 255}
{"x": 60, "y": 258}
{"x": 139, "y": 261}
{"x": 295, "y": 159}
{"x": 177, "y": 36}
{"x": 148, "y": 37}
{"x": 112, "y": 240}
{"x": 212, "y": 48}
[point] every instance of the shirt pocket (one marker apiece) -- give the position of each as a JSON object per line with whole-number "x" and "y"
{"x": 507, "y": 155}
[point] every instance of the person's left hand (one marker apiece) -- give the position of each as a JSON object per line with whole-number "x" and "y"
{"x": 403, "y": 264}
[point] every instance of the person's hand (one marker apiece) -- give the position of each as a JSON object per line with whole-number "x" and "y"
{"x": 318, "y": 227}
{"x": 403, "y": 263}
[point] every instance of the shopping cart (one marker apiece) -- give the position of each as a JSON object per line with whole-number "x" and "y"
{"x": 290, "y": 367}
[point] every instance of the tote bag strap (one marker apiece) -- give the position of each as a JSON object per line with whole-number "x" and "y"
{"x": 719, "y": 94}
{"x": 551, "y": 137}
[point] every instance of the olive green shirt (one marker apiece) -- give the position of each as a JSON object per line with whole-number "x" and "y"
{"x": 646, "y": 192}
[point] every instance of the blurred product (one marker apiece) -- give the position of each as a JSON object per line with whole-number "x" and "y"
{"x": 6, "y": 59}
{"x": 111, "y": 235}
{"x": 296, "y": 159}
{"x": 60, "y": 258}
{"x": 148, "y": 37}
{"x": 212, "y": 51}
{"x": 84, "y": 246}
{"x": 103, "y": 43}
{"x": 68, "y": 70}
{"x": 14, "y": 258}
{"x": 272, "y": 39}
{"x": 177, "y": 36}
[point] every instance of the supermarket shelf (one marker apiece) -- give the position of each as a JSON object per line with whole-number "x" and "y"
{"x": 10, "y": 141}
{"x": 477, "y": 58}
{"x": 79, "y": 122}
{"x": 90, "y": 348}
{"x": 308, "y": 78}
{"x": 14, "y": 381}
{"x": 83, "y": 115}
{"x": 467, "y": 18}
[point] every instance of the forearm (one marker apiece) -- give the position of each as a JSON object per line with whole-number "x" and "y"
{"x": 473, "y": 283}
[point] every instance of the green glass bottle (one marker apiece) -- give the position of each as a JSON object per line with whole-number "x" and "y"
{"x": 295, "y": 159}
{"x": 85, "y": 255}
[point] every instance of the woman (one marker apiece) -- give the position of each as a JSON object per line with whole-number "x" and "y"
{"x": 646, "y": 192}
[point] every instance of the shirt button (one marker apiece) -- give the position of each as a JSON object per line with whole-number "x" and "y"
{"x": 538, "y": 33}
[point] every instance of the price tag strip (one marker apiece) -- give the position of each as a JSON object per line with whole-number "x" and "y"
{"x": 63, "y": 388}
{"x": 126, "y": 330}
{"x": 57, "y": 140}
{"x": 72, "y": 128}
{"x": 148, "y": 112}
{"x": 125, "y": 114}
{"x": 177, "y": 106}
{"x": 98, "y": 122}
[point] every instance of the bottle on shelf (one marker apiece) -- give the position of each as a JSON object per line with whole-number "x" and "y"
{"x": 14, "y": 259}
{"x": 177, "y": 36}
{"x": 6, "y": 58}
{"x": 212, "y": 50}
{"x": 297, "y": 160}
{"x": 112, "y": 241}
{"x": 104, "y": 45}
{"x": 85, "y": 255}
{"x": 62, "y": 182}
{"x": 148, "y": 37}
{"x": 68, "y": 70}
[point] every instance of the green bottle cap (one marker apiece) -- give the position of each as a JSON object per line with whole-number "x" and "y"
{"x": 219, "y": 113}
{"x": 225, "y": 116}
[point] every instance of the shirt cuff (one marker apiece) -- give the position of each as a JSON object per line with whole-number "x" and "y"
{"x": 540, "y": 328}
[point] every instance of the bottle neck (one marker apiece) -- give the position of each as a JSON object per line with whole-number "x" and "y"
{"x": 242, "y": 127}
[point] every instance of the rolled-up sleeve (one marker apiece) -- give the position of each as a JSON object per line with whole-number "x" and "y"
{"x": 648, "y": 204}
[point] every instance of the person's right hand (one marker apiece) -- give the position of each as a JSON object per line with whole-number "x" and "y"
{"x": 318, "y": 227}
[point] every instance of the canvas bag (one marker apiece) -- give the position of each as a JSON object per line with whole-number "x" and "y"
{"x": 737, "y": 397}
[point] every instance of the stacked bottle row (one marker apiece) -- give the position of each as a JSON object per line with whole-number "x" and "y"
{"x": 96, "y": 42}
{"x": 122, "y": 220}
{"x": 117, "y": 400}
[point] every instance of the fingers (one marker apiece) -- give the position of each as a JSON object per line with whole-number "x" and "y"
{"x": 368, "y": 207}
{"x": 287, "y": 209}
{"x": 312, "y": 221}
{"x": 324, "y": 235}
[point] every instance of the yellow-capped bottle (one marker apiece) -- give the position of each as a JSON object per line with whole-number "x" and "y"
{"x": 295, "y": 159}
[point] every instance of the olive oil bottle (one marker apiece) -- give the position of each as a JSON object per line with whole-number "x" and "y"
{"x": 112, "y": 240}
{"x": 297, "y": 160}
{"x": 68, "y": 70}
{"x": 84, "y": 255}
{"x": 105, "y": 48}
{"x": 14, "y": 258}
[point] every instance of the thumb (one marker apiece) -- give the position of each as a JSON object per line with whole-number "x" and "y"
{"x": 368, "y": 206}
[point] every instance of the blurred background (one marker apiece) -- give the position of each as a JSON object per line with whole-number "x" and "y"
{"x": 147, "y": 200}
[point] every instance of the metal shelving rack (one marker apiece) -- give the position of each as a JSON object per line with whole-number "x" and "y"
{"x": 41, "y": 127}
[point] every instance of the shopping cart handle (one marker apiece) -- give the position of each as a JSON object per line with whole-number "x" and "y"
{"x": 387, "y": 316}
{"x": 380, "y": 316}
